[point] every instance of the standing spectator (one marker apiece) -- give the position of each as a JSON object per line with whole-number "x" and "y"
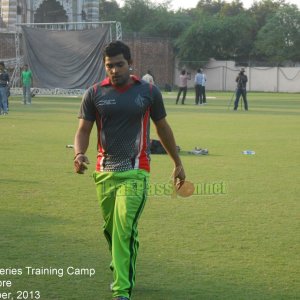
{"x": 26, "y": 81}
{"x": 198, "y": 87}
{"x": 148, "y": 77}
{"x": 241, "y": 80}
{"x": 4, "y": 80}
{"x": 183, "y": 78}
{"x": 203, "y": 87}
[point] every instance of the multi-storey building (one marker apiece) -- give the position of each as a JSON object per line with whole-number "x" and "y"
{"x": 46, "y": 11}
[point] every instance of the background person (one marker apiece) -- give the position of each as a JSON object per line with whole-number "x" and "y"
{"x": 241, "y": 80}
{"x": 183, "y": 78}
{"x": 203, "y": 87}
{"x": 4, "y": 81}
{"x": 198, "y": 87}
{"x": 148, "y": 77}
{"x": 26, "y": 81}
{"x": 121, "y": 106}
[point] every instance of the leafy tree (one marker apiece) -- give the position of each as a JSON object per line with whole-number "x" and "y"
{"x": 264, "y": 9}
{"x": 232, "y": 9}
{"x": 109, "y": 10}
{"x": 216, "y": 37}
{"x": 136, "y": 14}
{"x": 210, "y": 7}
{"x": 279, "y": 39}
{"x": 170, "y": 24}
{"x": 214, "y": 28}
{"x": 146, "y": 17}
{"x": 197, "y": 44}
{"x": 236, "y": 38}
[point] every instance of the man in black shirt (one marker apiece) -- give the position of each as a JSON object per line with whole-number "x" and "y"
{"x": 241, "y": 89}
{"x": 121, "y": 106}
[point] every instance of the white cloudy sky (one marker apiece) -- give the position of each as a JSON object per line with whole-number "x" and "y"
{"x": 192, "y": 3}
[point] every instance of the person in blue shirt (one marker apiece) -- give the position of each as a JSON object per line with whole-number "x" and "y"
{"x": 203, "y": 87}
{"x": 198, "y": 87}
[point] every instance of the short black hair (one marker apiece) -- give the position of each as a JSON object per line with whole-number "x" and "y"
{"x": 2, "y": 63}
{"x": 116, "y": 48}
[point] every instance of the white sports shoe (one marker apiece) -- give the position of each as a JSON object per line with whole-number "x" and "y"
{"x": 199, "y": 151}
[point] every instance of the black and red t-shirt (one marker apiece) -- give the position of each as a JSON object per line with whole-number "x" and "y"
{"x": 123, "y": 123}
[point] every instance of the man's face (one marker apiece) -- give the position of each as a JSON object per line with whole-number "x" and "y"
{"x": 117, "y": 69}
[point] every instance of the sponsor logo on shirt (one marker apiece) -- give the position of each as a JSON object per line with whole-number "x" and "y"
{"x": 107, "y": 102}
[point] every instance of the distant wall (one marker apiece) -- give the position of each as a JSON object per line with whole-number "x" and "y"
{"x": 154, "y": 54}
{"x": 221, "y": 76}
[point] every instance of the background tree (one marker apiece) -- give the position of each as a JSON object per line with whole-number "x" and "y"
{"x": 136, "y": 14}
{"x": 210, "y": 7}
{"x": 109, "y": 10}
{"x": 171, "y": 24}
{"x": 231, "y": 9}
{"x": 263, "y": 10}
{"x": 269, "y": 30}
{"x": 217, "y": 36}
{"x": 279, "y": 39}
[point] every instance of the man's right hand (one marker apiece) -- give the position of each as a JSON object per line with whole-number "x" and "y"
{"x": 80, "y": 163}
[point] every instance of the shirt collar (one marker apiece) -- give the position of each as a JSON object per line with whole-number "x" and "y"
{"x": 106, "y": 81}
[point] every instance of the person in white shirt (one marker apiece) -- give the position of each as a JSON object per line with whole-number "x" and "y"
{"x": 148, "y": 77}
{"x": 183, "y": 78}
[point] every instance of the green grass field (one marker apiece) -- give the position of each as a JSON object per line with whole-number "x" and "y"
{"x": 240, "y": 244}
